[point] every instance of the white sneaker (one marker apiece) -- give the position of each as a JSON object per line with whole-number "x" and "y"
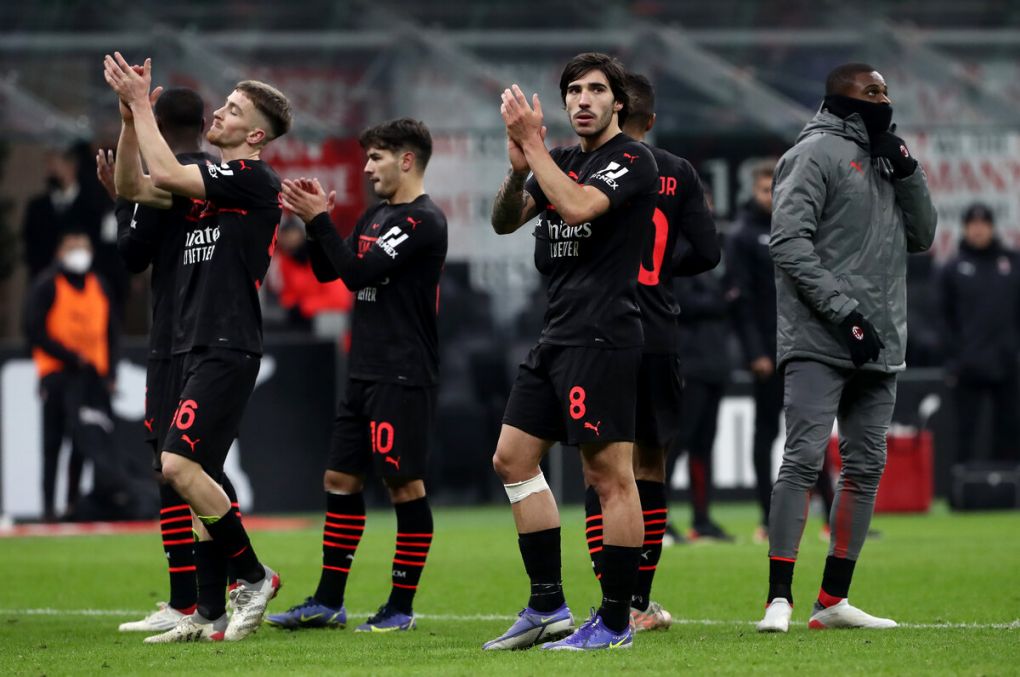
{"x": 193, "y": 628}
{"x": 653, "y": 618}
{"x": 843, "y": 615}
{"x": 777, "y": 616}
{"x": 250, "y": 601}
{"x": 164, "y": 618}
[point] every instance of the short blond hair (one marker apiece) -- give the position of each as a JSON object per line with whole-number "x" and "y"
{"x": 271, "y": 102}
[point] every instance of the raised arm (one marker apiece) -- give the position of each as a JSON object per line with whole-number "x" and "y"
{"x": 131, "y": 183}
{"x": 513, "y": 206}
{"x": 164, "y": 169}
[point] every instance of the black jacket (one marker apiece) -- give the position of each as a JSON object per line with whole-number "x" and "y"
{"x": 980, "y": 298}
{"x": 753, "y": 282}
{"x": 704, "y": 326}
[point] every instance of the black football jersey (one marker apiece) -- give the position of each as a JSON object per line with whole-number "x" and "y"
{"x": 148, "y": 236}
{"x": 224, "y": 258}
{"x": 392, "y": 261}
{"x": 592, "y": 267}
{"x": 683, "y": 241}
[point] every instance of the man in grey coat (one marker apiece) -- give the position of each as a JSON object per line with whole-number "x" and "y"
{"x": 849, "y": 204}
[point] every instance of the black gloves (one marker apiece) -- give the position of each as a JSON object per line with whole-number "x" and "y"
{"x": 892, "y": 157}
{"x": 861, "y": 339}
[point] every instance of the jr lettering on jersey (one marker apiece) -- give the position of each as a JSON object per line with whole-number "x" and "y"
{"x": 199, "y": 244}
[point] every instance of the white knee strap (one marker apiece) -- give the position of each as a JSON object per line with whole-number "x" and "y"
{"x": 518, "y": 491}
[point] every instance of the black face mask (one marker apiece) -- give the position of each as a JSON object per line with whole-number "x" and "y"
{"x": 877, "y": 116}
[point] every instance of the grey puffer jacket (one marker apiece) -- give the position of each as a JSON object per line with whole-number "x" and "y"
{"x": 840, "y": 238}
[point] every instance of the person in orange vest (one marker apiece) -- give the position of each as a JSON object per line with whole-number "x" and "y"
{"x": 69, "y": 325}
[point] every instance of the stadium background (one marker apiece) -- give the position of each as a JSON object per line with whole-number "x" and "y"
{"x": 736, "y": 81}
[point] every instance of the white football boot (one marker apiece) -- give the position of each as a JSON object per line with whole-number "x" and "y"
{"x": 777, "y": 616}
{"x": 843, "y": 615}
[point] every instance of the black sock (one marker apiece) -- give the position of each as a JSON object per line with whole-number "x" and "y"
{"x": 229, "y": 535}
{"x": 619, "y": 578}
{"x": 701, "y": 483}
{"x": 178, "y": 545}
{"x": 653, "y": 509}
{"x": 212, "y": 580}
{"x": 341, "y": 534}
{"x": 781, "y": 579}
{"x": 414, "y": 537}
{"x": 836, "y": 580}
{"x": 593, "y": 528}
{"x": 541, "y": 553}
{"x": 228, "y": 487}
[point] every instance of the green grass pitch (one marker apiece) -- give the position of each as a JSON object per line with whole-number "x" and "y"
{"x": 951, "y": 579}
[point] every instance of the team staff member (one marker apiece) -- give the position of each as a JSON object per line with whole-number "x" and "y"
{"x": 155, "y": 237}
{"x": 71, "y": 331}
{"x": 681, "y": 241}
{"x": 980, "y": 295}
{"x": 849, "y": 204}
{"x": 217, "y": 341}
{"x": 595, "y": 201}
{"x": 392, "y": 261}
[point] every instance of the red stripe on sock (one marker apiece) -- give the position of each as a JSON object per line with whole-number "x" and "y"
{"x": 326, "y": 566}
{"x": 648, "y": 568}
{"x": 593, "y": 517}
{"x": 827, "y": 600}
{"x": 405, "y": 587}
{"x": 185, "y": 530}
{"x": 187, "y": 610}
{"x": 352, "y": 527}
{"x": 590, "y": 529}
{"x": 181, "y": 570}
{"x": 235, "y": 505}
{"x": 651, "y": 522}
{"x": 652, "y": 542}
{"x": 783, "y": 559}
{"x": 595, "y": 550}
{"x": 343, "y": 536}
{"x": 413, "y": 545}
{"x": 400, "y": 535}
{"x": 175, "y": 507}
{"x": 348, "y": 517}
{"x": 655, "y": 512}
{"x": 594, "y": 538}
{"x": 170, "y": 520}
{"x": 328, "y": 544}
{"x": 406, "y": 563}
{"x": 412, "y": 554}
{"x": 654, "y": 532}
{"x": 239, "y": 552}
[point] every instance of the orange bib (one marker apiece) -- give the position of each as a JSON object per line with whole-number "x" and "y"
{"x": 79, "y": 320}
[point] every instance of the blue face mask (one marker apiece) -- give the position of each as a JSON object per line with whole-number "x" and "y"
{"x": 877, "y": 116}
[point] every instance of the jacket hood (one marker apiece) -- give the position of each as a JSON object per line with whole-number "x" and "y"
{"x": 824, "y": 122}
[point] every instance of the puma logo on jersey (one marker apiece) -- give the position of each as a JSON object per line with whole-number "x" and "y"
{"x": 589, "y": 426}
{"x": 630, "y": 158}
{"x": 853, "y": 163}
{"x": 414, "y": 224}
{"x": 190, "y": 442}
{"x": 394, "y": 461}
{"x": 148, "y": 423}
{"x": 244, "y": 167}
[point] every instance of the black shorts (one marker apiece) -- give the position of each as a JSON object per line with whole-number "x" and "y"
{"x": 385, "y": 425}
{"x": 660, "y": 388}
{"x": 162, "y": 386}
{"x": 575, "y": 395}
{"x": 215, "y": 386}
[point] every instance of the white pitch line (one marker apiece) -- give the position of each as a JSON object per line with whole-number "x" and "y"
{"x": 1014, "y": 625}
